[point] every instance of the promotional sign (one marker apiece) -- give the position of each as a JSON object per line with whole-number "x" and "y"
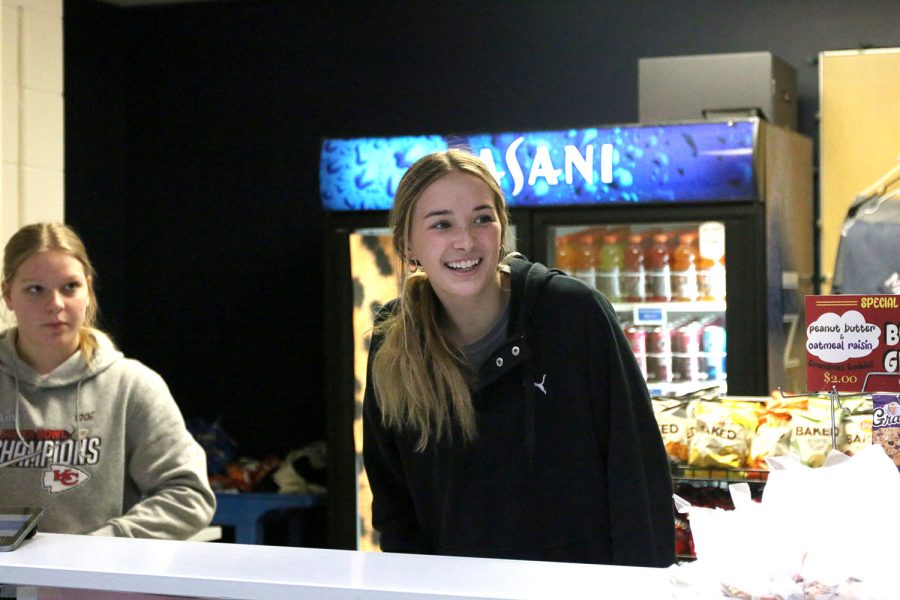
{"x": 853, "y": 343}
{"x": 695, "y": 162}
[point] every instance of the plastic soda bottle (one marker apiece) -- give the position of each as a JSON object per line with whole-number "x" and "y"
{"x": 564, "y": 253}
{"x": 583, "y": 264}
{"x": 658, "y": 270}
{"x": 711, "y": 279}
{"x": 684, "y": 269}
{"x": 659, "y": 354}
{"x": 711, "y": 261}
{"x": 637, "y": 339}
{"x": 712, "y": 346}
{"x": 686, "y": 351}
{"x": 704, "y": 281}
{"x": 634, "y": 279}
{"x": 610, "y": 259}
{"x": 717, "y": 279}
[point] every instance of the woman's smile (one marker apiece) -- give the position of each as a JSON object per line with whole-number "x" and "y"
{"x": 464, "y": 266}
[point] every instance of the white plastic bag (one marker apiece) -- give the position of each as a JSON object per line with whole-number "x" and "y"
{"x": 830, "y": 525}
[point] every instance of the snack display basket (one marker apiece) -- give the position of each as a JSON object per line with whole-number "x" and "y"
{"x": 835, "y": 397}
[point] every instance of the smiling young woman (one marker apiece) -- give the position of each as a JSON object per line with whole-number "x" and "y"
{"x": 94, "y": 438}
{"x": 504, "y": 415}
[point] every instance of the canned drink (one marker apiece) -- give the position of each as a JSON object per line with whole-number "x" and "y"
{"x": 686, "y": 338}
{"x": 658, "y": 340}
{"x": 712, "y": 345}
{"x": 659, "y": 354}
{"x": 659, "y": 368}
{"x": 686, "y": 352}
{"x": 637, "y": 339}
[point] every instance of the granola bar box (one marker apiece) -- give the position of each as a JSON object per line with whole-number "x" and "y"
{"x": 886, "y": 424}
{"x": 853, "y": 343}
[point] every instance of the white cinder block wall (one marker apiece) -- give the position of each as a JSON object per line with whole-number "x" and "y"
{"x": 31, "y": 182}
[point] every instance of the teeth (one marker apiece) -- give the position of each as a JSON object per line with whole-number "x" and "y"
{"x": 464, "y": 264}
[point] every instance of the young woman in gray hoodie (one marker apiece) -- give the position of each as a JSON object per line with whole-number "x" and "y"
{"x": 94, "y": 438}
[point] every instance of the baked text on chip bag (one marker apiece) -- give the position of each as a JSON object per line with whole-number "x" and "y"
{"x": 811, "y": 437}
{"x": 723, "y": 434}
{"x": 676, "y": 426}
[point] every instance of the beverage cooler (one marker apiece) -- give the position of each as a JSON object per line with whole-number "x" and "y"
{"x": 700, "y": 234}
{"x": 668, "y": 282}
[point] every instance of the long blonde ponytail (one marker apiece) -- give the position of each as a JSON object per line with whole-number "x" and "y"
{"x": 421, "y": 380}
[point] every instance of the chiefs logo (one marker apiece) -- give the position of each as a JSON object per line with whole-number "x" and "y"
{"x": 62, "y": 478}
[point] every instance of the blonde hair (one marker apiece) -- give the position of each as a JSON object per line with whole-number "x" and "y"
{"x": 421, "y": 379}
{"x": 44, "y": 237}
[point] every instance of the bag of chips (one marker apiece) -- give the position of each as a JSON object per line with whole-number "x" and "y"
{"x": 812, "y": 434}
{"x": 773, "y": 438}
{"x": 676, "y": 425}
{"x": 723, "y": 434}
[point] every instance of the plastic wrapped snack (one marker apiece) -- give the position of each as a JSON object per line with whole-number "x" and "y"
{"x": 676, "y": 425}
{"x": 886, "y": 424}
{"x": 773, "y": 438}
{"x": 723, "y": 434}
{"x": 857, "y": 433}
{"x": 812, "y": 437}
{"x": 791, "y": 545}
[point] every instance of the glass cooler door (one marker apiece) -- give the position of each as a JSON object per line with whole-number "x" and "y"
{"x": 666, "y": 282}
{"x": 375, "y": 282}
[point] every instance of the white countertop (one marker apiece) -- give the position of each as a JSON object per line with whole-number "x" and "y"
{"x": 218, "y": 570}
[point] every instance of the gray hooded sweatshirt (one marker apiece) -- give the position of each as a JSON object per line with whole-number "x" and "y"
{"x": 102, "y": 448}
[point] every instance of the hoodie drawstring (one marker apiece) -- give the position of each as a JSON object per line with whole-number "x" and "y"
{"x": 530, "y": 293}
{"x": 530, "y": 409}
{"x": 18, "y": 402}
{"x": 76, "y": 432}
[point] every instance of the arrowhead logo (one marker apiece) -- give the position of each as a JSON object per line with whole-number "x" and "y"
{"x": 62, "y": 478}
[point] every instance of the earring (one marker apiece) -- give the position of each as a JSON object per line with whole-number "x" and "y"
{"x": 413, "y": 265}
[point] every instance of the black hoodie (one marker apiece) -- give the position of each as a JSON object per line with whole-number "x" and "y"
{"x": 568, "y": 464}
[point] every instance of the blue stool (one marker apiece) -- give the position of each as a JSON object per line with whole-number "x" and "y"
{"x": 245, "y": 511}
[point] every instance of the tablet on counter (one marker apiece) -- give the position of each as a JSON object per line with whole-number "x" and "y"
{"x": 16, "y": 525}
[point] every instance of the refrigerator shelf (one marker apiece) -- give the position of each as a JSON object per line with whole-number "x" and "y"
{"x": 683, "y": 388}
{"x": 672, "y": 307}
{"x": 716, "y": 474}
